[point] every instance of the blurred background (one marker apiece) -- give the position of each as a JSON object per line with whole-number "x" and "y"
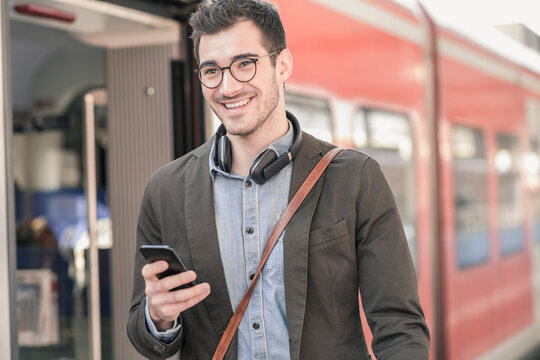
{"x": 445, "y": 95}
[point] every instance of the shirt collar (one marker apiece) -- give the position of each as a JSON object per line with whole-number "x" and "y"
{"x": 279, "y": 146}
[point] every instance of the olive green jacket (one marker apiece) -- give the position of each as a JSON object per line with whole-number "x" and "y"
{"x": 346, "y": 236}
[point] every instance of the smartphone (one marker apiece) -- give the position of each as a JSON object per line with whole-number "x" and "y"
{"x": 153, "y": 253}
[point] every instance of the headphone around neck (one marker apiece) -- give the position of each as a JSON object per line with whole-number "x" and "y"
{"x": 266, "y": 164}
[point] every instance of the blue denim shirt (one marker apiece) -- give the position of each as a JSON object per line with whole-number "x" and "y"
{"x": 245, "y": 215}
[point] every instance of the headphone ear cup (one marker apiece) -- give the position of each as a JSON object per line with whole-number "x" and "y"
{"x": 224, "y": 153}
{"x": 258, "y": 168}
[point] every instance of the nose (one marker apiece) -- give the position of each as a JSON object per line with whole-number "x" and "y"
{"x": 229, "y": 85}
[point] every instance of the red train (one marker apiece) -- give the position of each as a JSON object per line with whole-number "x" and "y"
{"x": 455, "y": 123}
{"x": 452, "y": 116}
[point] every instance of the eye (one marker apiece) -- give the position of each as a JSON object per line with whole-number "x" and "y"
{"x": 245, "y": 63}
{"x": 209, "y": 70}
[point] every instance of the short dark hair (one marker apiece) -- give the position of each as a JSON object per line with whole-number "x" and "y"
{"x": 214, "y": 16}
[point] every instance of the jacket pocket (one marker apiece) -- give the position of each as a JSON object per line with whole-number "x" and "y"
{"x": 328, "y": 234}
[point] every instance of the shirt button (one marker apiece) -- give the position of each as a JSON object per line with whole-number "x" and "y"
{"x": 256, "y": 326}
{"x": 251, "y": 276}
{"x": 248, "y": 184}
{"x": 249, "y": 230}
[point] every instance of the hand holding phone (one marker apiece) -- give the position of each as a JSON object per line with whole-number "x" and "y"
{"x": 153, "y": 253}
{"x": 164, "y": 304}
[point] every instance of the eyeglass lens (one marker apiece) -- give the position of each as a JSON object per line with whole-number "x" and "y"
{"x": 241, "y": 69}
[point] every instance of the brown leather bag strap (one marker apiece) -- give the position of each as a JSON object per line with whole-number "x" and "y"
{"x": 274, "y": 237}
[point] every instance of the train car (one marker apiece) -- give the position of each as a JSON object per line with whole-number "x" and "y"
{"x": 452, "y": 115}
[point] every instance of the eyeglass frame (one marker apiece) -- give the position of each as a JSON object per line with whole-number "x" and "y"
{"x": 253, "y": 59}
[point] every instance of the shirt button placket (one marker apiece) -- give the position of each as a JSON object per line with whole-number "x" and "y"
{"x": 251, "y": 247}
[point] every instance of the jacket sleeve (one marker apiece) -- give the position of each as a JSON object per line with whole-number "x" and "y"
{"x": 148, "y": 232}
{"x": 387, "y": 279}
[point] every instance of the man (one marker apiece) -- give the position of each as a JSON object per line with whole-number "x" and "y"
{"x": 216, "y": 208}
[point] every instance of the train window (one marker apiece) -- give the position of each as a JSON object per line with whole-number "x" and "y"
{"x": 470, "y": 196}
{"x": 387, "y": 137}
{"x": 313, "y": 114}
{"x": 510, "y": 199}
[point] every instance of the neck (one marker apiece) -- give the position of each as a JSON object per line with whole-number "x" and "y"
{"x": 246, "y": 148}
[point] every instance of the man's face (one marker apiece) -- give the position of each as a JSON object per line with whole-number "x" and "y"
{"x": 243, "y": 107}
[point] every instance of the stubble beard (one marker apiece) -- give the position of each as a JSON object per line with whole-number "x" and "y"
{"x": 262, "y": 115}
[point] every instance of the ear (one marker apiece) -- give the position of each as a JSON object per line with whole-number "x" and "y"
{"x": 284, "y": 64}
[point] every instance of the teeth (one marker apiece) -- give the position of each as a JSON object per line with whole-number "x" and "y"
{"x": 237, "y": 104}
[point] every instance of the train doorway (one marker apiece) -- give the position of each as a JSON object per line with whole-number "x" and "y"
{"x": 52, "y": 242}
{"x": 88, "y": 82}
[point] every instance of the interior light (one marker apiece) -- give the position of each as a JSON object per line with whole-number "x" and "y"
{"x": 503, "y": 161}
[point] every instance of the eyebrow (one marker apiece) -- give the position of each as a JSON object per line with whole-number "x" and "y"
{"x": 236, "y": 57}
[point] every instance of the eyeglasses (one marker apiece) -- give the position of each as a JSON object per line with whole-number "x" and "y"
{"x": 242, "y": 69}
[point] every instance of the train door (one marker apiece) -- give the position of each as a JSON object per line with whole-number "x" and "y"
{"x": 87, "y": 80}
{"x": 49, "y": 75}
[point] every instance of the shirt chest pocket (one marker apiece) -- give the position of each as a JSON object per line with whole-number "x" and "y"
{"x": 328, "y": 235}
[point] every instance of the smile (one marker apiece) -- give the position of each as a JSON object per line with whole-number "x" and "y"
{"x": 236, "y": 104}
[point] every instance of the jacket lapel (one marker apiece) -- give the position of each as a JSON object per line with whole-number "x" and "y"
{"x": 202, "y": 236}
{"x": 295, "y": 242}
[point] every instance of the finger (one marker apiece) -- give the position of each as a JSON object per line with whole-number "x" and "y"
{"x": 159, "y": 299}
{"x": 170, "y": 282}
{"x": 185, "y": 295}
{"x": 195, "y": 300}
{"x": 168, "y": 305}
{"x": 171, "y": 311}
{"x": 149, "y": 271}
{"x": 163, "y": 286}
